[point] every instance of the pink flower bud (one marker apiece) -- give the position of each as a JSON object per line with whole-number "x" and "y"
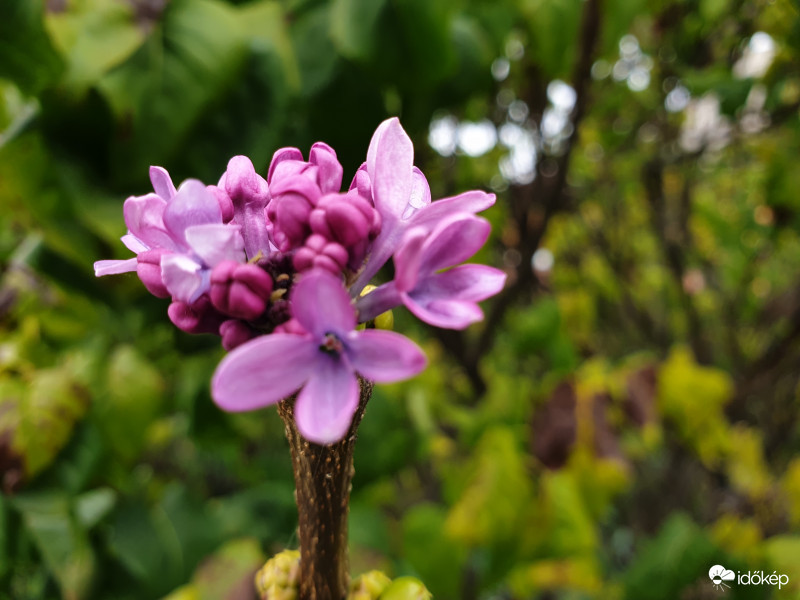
{"x": 225, "y": 202}
{"x": 235, "y": 333}
{"x": 148, "y": 269}
{"x": 199, "y": 317}
{"x": 292, "y": 202}
{"x": 349, "y": 220}
{"x": 291, "y": 326}
{"x": 243, "y": 184}
{"x": 319, "y": 252}
{"x": 241, "y": 291}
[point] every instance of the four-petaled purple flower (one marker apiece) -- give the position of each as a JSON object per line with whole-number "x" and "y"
{"x": 324, "y": 362}
{"x": 445, "y": 299}
{"x": 277, "y": 267}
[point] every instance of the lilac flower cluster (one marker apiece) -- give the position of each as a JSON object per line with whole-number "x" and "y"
{"x": 279, "y": 269}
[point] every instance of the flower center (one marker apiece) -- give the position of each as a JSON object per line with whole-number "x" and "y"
{"x": 331, "y": 344}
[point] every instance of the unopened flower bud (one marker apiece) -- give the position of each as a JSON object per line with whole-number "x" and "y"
{"x": 199, "y": 317}
{"x": 224, "y": 201}
{"x": 292, "y": 203}
{"x": 235, "y": 333}
{"x": 240, "y": 290}
{"x": 406, "y": 588}
{"x": 148, "y": 268}
{"x": 278, "y": 579}
{"x": 349, "y": 220}
{"x": 291, "y": 326}
{"x": 368, "y": 586}
{"x": 243, "y": 184}
{"x": 321, "y": 253}
{"x": 361, "y": 183}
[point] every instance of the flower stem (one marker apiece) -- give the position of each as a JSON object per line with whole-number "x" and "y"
{"x": 323, "y": 476}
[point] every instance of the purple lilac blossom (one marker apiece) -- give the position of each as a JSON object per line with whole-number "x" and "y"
{"x": 323, "y": 362}
{"x": 400, "y": 193}
{"x": 249, "y": 195}
{"x": 276, "y": 267}
{"x": 296, "y": 186}
{"x": 445, "y": 299}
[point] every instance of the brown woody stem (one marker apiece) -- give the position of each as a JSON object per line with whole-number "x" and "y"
{"x": 322, "y": 477}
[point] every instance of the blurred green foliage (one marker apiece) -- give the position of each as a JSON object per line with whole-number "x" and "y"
{"x": 625, "y": 418}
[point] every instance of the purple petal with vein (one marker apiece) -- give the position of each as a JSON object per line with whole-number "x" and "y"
{"x": 144, "y": 216}
{"x": 448, "y": 314}
{"x": 162, "y": 182}
{"x": 184, "y": 277}
{"x": 215, "y": 242}
{"x": 321, "y": 304}
{"x": 263, "y": 371}
{"x": 324, "y": 408}
{"x": 384, "y": 356}
{"x": 192, "y": 205}
{"x": 114, "y": 267}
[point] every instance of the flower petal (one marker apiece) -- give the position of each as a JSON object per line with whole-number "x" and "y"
{"x": 473, "y": 202}
{"x": 466, "y": 282}
{"x": 184, "y": 277}
{"x": 330, "y": 170}
{"x": 322, "y": 305}
{"x": 420, "y": 194}
{"x": 453, "y": 241}
{"x": 192, "y": 205}
{"x": 162, "y": 182}
{"x": 378, "y": 301}
{"x": 384, "y": 356}
{"x": 408, "y": 258}
{"x": 263, "y": 371}
{"x": 144, "y": 216}
{"x": 447, "y": 314}
{"x": 324, "y": 408}
{"x": 214, "y": 243}
{"x": 114, "y": 267}
{"x": 133, "y": 243}
{"x": 281, "y": 155}
{"x": 391, "y": 175}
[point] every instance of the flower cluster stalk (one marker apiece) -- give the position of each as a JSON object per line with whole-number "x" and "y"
{"x": 323, "y": 480}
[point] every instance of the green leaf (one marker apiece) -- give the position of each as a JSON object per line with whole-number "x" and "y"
{"x": 94, "y": 36}
{"x": 498, "y": 491}
{"x": 27, "y": 56}
{"x": 265, "y": 25}
{"x": 554, "y": 27}
{"x": 93, "y": 506}
{"x": 37, "y": 419}
{"x": 353, "y": 26}
{"x": 316, "y": 54}
{"x": 693, "y": 397}
{"x": 437, "y": 559}
{"x": 60, "y": 539}
{"x": 135, "y": 394}
{"x": 229, "y": 569}
{"x": 535, "y": 328}
{"x": 160, "y": 94}
{"x": 680, "y": 554}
